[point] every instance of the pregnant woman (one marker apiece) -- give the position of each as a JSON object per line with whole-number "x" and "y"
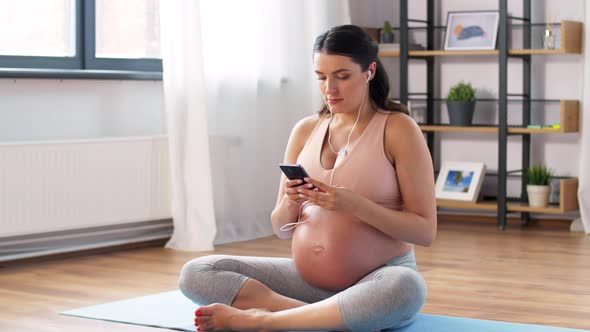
{"x": 353, "y": 224}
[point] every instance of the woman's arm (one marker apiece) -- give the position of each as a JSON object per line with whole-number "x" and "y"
{"x": 417, "y": 222}
{"x": 405, "y": 142}
{"x": 287, "y": 210}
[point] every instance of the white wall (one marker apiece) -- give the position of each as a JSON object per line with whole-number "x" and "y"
{"x": 53, "y": 109}
{"x": 554, "y": 77}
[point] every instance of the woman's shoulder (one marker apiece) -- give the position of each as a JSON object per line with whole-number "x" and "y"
{"x": 301, "y": 133}
{"x": 304, "y": 127}
{"x": 401, "y": 132}
{"x": 400, "y": 123}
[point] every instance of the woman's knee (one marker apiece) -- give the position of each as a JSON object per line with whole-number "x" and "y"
{"x": 194, "y": 274}
{"x": 392, "y": 300}
{"x": 408, "y": 294}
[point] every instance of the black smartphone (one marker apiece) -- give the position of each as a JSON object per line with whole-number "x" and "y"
{"x": 294, "y": 172}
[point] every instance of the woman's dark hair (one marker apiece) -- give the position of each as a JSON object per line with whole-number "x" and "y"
{"x": 353, "y": 42}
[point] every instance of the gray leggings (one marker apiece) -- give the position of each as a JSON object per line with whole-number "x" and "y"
{"x": 387, "y": 298}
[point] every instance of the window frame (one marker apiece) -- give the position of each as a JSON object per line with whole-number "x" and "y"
{"x": 92, "y": 62}
{"x": 84, "y": 64}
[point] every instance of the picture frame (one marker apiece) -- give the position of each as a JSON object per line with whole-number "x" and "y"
{"x": 461, "y": 181}
{"x": 471, "y": 30}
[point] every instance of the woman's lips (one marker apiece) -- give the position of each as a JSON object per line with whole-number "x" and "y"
{"x": 334, "y": 101}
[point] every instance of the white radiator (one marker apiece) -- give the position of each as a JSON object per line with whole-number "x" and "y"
{"x": 59, "y": 186}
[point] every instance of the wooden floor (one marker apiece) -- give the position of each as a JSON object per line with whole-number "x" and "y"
{"x": 473, "y": 270}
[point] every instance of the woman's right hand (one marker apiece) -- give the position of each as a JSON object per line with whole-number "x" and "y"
{"x": 291, "y": 187}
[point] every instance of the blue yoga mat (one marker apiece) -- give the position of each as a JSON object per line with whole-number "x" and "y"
{"x": 174, "y": 311}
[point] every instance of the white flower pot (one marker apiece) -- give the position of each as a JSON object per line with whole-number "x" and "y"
{"x": 538, "y": 195}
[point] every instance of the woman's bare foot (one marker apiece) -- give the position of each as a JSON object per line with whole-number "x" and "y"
{"x": 217, "y": 317}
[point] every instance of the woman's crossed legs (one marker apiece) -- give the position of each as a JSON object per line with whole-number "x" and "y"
{"x": 279, "y": 299}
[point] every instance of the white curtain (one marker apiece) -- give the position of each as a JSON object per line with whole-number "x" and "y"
{"x": 237, "y": 77}
{"x": 184, "y": 97}
{"x": 584, "y": 177}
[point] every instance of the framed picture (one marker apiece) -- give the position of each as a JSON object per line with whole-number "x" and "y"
{"x": 471, "y": 30}
{"x": 460, "y": 180}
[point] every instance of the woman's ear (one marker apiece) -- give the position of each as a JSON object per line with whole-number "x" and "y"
{"x": 373, "y": 68}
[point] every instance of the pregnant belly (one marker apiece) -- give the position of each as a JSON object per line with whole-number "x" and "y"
{"x": 334, "y": 250}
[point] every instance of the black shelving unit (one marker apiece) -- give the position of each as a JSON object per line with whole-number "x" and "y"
{"x": 502, "y": 101}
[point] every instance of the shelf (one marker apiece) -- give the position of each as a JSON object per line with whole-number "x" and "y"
{"x": 452, "y": 53}
{"x": 483, "y": 205}
{"x": 571, "y": 43}
{"x": 568, "y": 201}
{"x": 486, "y": 129}
{"x": 449, "y": 128}
{"x": 537, "y": 52}
{"x": 423, "y": 53}
{"x": 521, "y": 114}
{"x": 389, "y": 53}
{"x": 568, "y": 118}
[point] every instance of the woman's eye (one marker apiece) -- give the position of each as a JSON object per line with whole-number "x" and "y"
{"x": 321, "y": 78}
{"x": 343, "y": 77}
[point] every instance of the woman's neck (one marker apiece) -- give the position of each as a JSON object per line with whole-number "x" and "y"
{"x": 348, "y": 119}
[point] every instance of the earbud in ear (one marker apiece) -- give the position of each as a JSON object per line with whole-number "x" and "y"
{"x": 369, "y": 76}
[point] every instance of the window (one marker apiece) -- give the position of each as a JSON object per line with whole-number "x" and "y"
{"x": 127, "y": 29}
{"x": 87, "y": 35}
{"x": 48, "y": 30}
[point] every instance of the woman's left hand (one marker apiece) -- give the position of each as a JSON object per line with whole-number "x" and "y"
{"x": 330, "y": 197}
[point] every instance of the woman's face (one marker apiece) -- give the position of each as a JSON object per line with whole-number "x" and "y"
{"x": 341, "y": 81}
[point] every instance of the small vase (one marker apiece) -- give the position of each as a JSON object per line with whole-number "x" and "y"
{"x": 460, "y": 112}
{"x": 548, "y": 39}
{"x": 386, "y": 37}
{"x": 538, "y": 195}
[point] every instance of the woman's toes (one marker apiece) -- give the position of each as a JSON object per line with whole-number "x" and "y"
{"x": 203, "y": 321}
{"x": 207, "y": 310}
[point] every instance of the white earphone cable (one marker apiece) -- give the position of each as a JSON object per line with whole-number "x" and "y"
{"x": 291, "y": 225}
{"x": 341, "y": 154}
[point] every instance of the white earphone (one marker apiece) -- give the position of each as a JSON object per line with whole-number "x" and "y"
{"x": 369, "y": 78}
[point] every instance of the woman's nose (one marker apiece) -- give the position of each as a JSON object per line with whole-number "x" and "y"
{"x": 331, "y": 85}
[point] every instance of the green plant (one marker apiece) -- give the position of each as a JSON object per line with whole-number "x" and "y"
{"x": 539, "y": 175}
{"x": 461, "y": 92}
{"x": 387, "y": 29}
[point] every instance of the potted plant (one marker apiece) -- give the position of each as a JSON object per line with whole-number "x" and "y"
{"x": 538, "y": 189}
{"x": 386, "y": 33}
{"x": 461, "y": 104}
